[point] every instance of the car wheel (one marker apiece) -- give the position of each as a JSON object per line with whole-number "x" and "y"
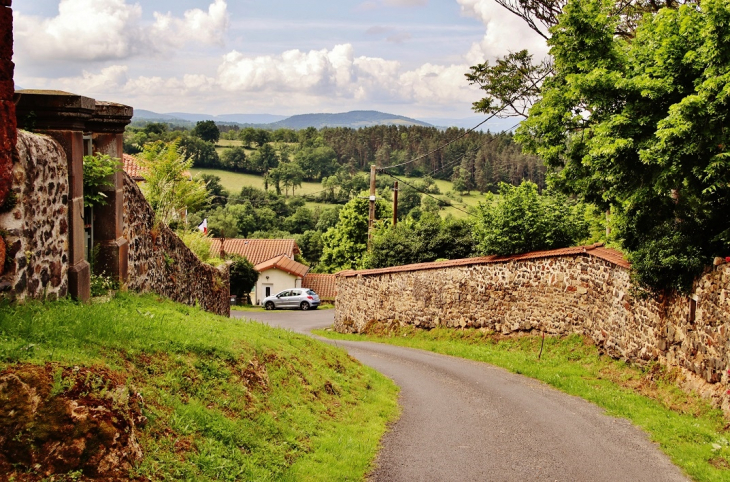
{"x": 304, "y": 306}
{"x": 270, "y": 305}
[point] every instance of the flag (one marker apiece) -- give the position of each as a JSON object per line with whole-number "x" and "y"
{"x": 204, "y": 226}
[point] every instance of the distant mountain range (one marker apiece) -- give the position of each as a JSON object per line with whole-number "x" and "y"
{"x": 354, "y": 119}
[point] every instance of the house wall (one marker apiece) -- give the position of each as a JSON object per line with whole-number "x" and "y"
{"x": 7, "y": 113}
{"x": 560, "y": 295}
{"x": 280, "y": 280}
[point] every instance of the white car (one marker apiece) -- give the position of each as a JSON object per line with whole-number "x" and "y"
{"x": 301, "y": 298}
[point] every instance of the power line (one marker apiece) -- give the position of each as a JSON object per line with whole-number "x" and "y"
{"x": 469, "y": 131}
{"x": 440, "y": 201}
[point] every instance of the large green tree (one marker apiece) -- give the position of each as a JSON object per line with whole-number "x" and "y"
{"x": 207, "y": 130}
{"x": 345, "y": 245}
{"x": 638, "y": 124}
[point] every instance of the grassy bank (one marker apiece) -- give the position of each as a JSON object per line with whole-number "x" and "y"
{"x": 692, "y": 433}
{"x": 224, "y": 399}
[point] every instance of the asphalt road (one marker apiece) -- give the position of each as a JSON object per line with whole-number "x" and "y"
{"x": 470, "y": 421}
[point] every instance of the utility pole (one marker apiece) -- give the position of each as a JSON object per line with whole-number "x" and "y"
{"x": 395, "y": 204}
{"x": 371, "y": 219}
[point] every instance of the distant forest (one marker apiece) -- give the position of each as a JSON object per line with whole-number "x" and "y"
{"x": 475, "y": 161}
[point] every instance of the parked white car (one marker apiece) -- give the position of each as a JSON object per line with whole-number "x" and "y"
{"x": 300, "y": 298}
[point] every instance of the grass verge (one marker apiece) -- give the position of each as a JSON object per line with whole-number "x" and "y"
{"x": 692, "y": 433}
{"x": 225, "y": 399}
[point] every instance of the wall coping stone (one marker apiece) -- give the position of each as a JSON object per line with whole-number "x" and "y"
{"x": 110, "y": 118}
{"x": 53, "y": 110}
{"x": 598, "y": 250}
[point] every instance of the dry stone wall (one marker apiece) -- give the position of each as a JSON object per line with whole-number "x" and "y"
{"x": 160, "y": 262}
{"x": 35, "y": 230}
{"x": 577, "y": 293}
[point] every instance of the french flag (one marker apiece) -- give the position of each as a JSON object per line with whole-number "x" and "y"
{"x": 204, "y": 226}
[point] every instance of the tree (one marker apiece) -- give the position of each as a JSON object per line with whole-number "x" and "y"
{"x": 200, "y": 152}
{"x": 243, "y": 277}
{"x": 345, "y": 245}
{"x": 234, "y": 159}
{"x": 316, "y": 162}
{"x": 289, "y": 174}
{"x": 638, "y": 125}
{"x": 216, "y": 193}
{"x": 425, "y": 240}
{"x": 520, "y": 220}
{"x": 168, "y": 187}
{"x": 207, "y": 130}
{"x": 264, "y": 159}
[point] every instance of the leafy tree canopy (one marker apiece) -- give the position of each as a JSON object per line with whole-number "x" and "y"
{"x": 520, "y": 220}
{"x": 638, "y": 124}
{"x": 207, "y": 130}
{"x": 243, "y": 277}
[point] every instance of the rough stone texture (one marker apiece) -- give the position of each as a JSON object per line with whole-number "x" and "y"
{"x": 7, "y": 106}
{"x": 36, "y": 229}
{"x": 567, "y": 294}
{"x": 160, "y": 262}
{"x": 55, "y": 419}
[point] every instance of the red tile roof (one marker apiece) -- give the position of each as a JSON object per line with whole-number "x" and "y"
{"x": 256, "y": 250}
{"x": 284, "y": 264}
{"x": 597, "y": 250}
{"x": 325, "y": 285}
{"x": 132, "y": 167}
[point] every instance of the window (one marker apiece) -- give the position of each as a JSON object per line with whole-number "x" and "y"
{"x": 311, "y": 293}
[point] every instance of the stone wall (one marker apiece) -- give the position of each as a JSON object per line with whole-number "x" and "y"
{"x": 584, "y": 291}
{"x": 36, "y": 229}
{"x": 7, "y": 112}
{"x": 160, "y": 262}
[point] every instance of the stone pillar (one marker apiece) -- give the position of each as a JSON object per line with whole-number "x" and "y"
{"x": 8, "y": 130}
{"x": 63, "y": 116}
{"x": 108, "y": 125}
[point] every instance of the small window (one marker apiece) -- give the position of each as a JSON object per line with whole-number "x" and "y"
{"x": 310, "y": 292}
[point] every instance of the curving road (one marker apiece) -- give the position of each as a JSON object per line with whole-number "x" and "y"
{"x": 469, "y": 421}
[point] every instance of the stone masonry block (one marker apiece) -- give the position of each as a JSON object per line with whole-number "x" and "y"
{"x": 6, "y": 33}
{"x": 6, "y": 3}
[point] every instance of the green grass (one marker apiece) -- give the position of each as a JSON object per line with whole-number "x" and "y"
{"x": 314, "y": 414}
{"x": 258, "y": 309}
{"x": 692, "y": 433}
{"x": 234, "y": 181}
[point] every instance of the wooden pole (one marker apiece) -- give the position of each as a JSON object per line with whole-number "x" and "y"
{"x": 371, "y": 218}
{"x": 395, "y": 204}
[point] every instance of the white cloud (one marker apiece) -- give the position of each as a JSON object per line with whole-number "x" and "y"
{"x": 99, "y": 30}
{"x": 505, "y": 32}
{"x": 207, "y": 27}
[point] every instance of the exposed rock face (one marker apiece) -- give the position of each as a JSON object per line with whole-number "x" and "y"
{"x": 55, "y": 420}
{"x": 160, "y": 262}
{"x": 37, "y": 226}
{"x": 560, "y": 295}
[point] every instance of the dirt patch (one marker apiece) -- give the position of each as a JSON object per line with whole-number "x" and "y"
{"x": 255, "y": 375}
{"x": 60, "y": 420}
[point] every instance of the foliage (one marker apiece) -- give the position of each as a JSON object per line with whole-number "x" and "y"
{"x": 687, "y": 428}
{"x": 98, "y": 172}
{"x": 428, "y": 239}
{"x": 638, "y": 125}
{"x": 243, "y": 277}
{"x": 288, "y": 174}
{"x": 207, "y": 131}
{"x": 197, "y": 242}
{"x": 200, "y": 152}
{"x": 102, "y": 284}
{"x": 167, "y": 186}
{"x": 311, "y": 245}
{"x": 211, "y": 386}
{"x": 234, "y": 159}
{"x": 317, "y": 162}
{"x": 216, "y": 193}
{"x": 520, "y": 220}
{"x": 345, "y": 245}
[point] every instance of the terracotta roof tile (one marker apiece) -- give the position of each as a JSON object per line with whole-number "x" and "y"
{"x": 132, "y": 167}
{"x": 597, "y": 250}
{"x": 284, "y": 264}
{"x": 325, "y": 285}
{"x": 255, "y": 250}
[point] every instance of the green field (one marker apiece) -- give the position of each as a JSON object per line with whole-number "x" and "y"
{"x": 234, "y": 181}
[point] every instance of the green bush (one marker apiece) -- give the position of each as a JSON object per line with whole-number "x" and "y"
{"x": 521, "y": 220}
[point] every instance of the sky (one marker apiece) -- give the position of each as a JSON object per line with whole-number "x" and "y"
{"x": 284, "y": 57}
